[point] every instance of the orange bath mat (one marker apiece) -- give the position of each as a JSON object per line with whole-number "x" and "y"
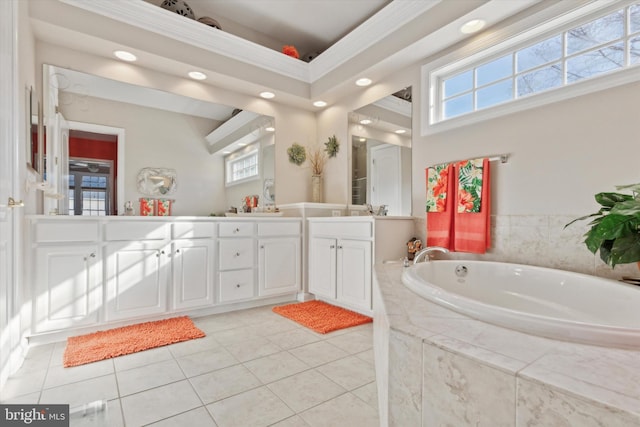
{"x": 128, "y": 339}
{"x": 321, "y": 317}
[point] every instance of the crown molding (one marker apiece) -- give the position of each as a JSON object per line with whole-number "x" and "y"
{"x": 391, "y": 18}
{"x": 149, "y": 17}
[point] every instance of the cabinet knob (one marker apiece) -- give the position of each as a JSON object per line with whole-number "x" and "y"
{"x": 237, "y": 230}
{"x": 332, "y": 247}
{"x": 238, "y": 285}
{"x": 340, "y": 247}
{"x": 177, "y": 251}
{"x": 261, "y": 246}
{"x": 93, "y": 255}
{"x": 237, "y": 254}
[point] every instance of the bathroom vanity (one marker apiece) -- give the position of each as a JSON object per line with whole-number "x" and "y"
{"x": 343, "y": 250}
{"x": 87, "y": 272}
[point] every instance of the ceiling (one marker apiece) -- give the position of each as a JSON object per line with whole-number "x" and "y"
{"x": 312, "y": 26}
{"x": 389, "y": 35}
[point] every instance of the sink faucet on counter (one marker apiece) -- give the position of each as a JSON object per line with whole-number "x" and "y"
{"x": 426, "y": 252}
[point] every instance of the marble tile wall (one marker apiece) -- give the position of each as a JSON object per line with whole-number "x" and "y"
{"x": 544, "y": 241}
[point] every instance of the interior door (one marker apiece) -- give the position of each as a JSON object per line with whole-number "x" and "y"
{"x": 9, "y": 113}
{"x": 386, "y": 177}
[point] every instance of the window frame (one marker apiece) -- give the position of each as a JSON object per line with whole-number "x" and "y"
{"x": 235, "y": 158}
{"x": 509, "y": 40}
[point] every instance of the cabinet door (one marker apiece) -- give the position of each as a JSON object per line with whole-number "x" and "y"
{"x": 68, "y": 292}
{"x": 136, "y": 279}
{"x": 322, "y": 266}
{"x": 192, "y": 262}
{"x": 354, "y": 273}
{"x": 278, "y": 266}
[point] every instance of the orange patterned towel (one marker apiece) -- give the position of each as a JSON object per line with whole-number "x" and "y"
{"x": 320, "y": 316}
{"x": 440, "y": 197}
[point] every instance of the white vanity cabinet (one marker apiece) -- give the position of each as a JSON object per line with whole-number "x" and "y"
{"x": 279, "y": 258}
{"x": 340, "y": 262}
{"x": 92, "y": 272}
{"x": 236, "y": 259}
{"x": 67, "y": 286}
{"x": 192, "y": 264}
{"x": 342, "y": 251}
{"x": 137, "y": 264}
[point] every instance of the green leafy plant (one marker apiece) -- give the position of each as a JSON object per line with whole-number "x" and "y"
{"x": 297, "y": 154}
{"x": 332, "y": 146}
{"x": 615, "y": 229}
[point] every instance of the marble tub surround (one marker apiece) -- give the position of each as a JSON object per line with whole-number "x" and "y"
{"x": 544, "y": 241}
{"x": 443, "y": 368}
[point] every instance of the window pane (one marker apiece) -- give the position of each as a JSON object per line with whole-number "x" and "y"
{"x": 607, "y": 28}
{"x": 596, "y": 62}
{"x": 635, "y": 18}
{"x": 494, "y": 70}
{"x": 458, "y": 84}
{"x": 457, "y": 106}
{"x": 495, "y": 94}
{"x": 635, "y": 51}
{"x": 542, "y": 53}
{"x": 540, "y": 80}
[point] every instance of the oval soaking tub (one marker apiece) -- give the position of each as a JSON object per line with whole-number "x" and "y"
{"x": 541, "y": 301}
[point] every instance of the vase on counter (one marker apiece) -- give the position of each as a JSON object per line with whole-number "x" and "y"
{"x": 316, "y": 188}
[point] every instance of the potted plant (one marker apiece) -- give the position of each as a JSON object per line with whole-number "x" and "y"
{"x": 615, "y": 228}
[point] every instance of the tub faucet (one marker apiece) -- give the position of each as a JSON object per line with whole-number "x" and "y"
{"x": 427, "y": 251}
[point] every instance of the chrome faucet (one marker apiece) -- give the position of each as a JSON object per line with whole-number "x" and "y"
{"x": 427, "y": 251}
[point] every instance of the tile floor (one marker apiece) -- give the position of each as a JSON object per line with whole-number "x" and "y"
{"x": 254, "y": 368}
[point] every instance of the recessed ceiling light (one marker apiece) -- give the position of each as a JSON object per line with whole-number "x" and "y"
{"x": 363, "y": 139}
{"x": 472, "y": 26}
{"x": 401, "y": 131}
{"x": 365, "y": 121}
{"x": 320, "y": 104}
{"x": 125, "y": 56}
{"x": 242, "y": 144}
{"x": 267, "y": 95}
{"x": 363, "y": 82}
{"x": 197, "y": 75}
{"x": 270, "y": 129}
{"x": 226, "y": 152}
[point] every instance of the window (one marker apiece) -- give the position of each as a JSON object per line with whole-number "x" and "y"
{"x": 89, "y": 190}
{"x": 242, "y": 168}
{"x": 538, "y": 62}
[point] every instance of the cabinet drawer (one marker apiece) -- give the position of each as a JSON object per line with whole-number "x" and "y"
{"x": 193, "y": 230}
{"x": 135, "y": 230}
{"x": 362, "y": 230}
{"x": 236, "y": 253}
{"x": 236, "y": 229}
{"x": 236, "y": 285}
{"x": 278, "y": 228}
{"x": 66, "y": 231}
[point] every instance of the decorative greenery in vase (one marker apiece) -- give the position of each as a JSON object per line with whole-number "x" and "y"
{"x": 615, "y": 229}
{"x": 317, "y": 160}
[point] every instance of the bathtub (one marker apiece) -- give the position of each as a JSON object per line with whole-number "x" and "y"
{"x": 541, "y": 301}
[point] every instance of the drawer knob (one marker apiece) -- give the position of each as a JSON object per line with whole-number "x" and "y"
{"x": 238, "y": 285}
{"x": 93, "y": 255}
{"x": 237, "y": 230}
{"x": 261, "y": 246}
{"x": 237, "y": 254}
{"x": 340, "y": 247}
{"x": 332, "y": 247}
{"x": 177, "y": 251}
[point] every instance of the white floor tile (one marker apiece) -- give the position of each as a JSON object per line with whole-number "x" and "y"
{"x": 318, "y": 353}
{"x": 254, "y": 408}
{"x": 306, "y": 390}
{"x": 276, "y": 366}
{"x": 206, "y": 361}
{"x": 159, "y": 403}
{"x": 198, "y": 417}
{"x": 82, "y": 392}
{"x": 146, "y": 377}
{"x": 344, "y": 410}
{"x": 350, "y": 372}
{"x": 224, "y": 383}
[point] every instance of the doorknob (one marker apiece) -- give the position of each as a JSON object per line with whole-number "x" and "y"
{"x": 12, "y": 203}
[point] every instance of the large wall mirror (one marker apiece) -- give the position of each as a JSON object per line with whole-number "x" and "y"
{"x": 101, "y": 133}
{"x": 380, "y": 136}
